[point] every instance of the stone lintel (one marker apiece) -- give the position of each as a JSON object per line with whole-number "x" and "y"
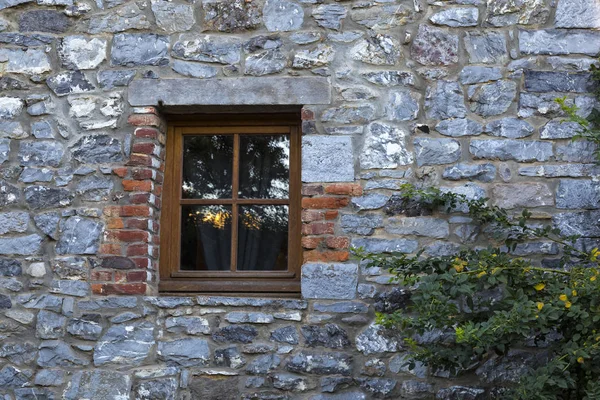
{"x": 230, "y": 91}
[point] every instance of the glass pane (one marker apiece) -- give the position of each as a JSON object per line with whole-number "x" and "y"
{"x": 263, "y": 238}
{"x": 264, "y": 166}
{"x": 207, "y": 167}
{"x": 205, "y": 238}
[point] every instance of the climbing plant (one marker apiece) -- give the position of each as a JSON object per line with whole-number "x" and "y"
{"x": 482, "y": 303}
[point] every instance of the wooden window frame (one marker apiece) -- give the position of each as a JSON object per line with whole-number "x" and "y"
{"x": 172, "y": 279}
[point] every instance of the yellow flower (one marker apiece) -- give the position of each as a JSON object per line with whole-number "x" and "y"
{"x": 495, "y": 270}
{"x": 568, "y": 304}
{"x": 540, "y": 305}
{"x": 562, "y": 297}
{"x": 482, "y": 273}
{"x": 574, "y": 293}
{"x": 594, "y": 254}
{"x": 539, "y": 286}
{"x": 593, "y": 278}
{"x": 580, "y": 360}
{"x": 459, "y": 265}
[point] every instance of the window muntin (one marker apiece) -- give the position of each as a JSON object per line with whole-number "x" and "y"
{"x": 231, "y": 218}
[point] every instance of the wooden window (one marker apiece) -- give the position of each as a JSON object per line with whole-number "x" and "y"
{"x": 231, "y": 205}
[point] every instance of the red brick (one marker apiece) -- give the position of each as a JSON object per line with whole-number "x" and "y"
{"x": 137, "y": 186}
{"x": 331, "y": 214}
{"x": 311, "y": 242}
{"x": 139, "y": 198}
{"x": 143, "y": 148}
{"x": 121, "y": 172}
{"x": 353, "y": 189}
{"x": 127, "y": 236}
{"x": 337, "y": 242}
{"x": 137, "y": 250}
{"x": 140, "y": 159}
{"x": 324, "y": 202}
{"x": 135, "y": 211}
{"x": 312, "y": 215}
{"x": 141, "y": 262}
{"x": 328, "y": 256}
{"x": 144, "y": 120}
{"x": 318, "y": 228}
{"x": 141, "y": 173}
{"x": 136, "y": 276}
{"x": 312, "y": 190}
{"x": 114, "y": 223}
{"x": 125, "y": 288}
{"x": 307, "y": 115}
{"x": 101, "y": 275}
{"x": 147, "y": 133}
{"x": 113, "y": 249}
{"x": 120, "y": 277}
{"x": 137, "y": 223}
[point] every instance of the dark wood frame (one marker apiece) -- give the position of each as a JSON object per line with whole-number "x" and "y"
{"x": 246, "y": 282}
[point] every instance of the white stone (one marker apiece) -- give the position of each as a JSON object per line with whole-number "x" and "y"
{"x": 79, "y": 52}
{"x": 37, "y": 270}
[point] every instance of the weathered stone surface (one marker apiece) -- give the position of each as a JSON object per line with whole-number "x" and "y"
{"x": 584, "y": 223}
{"x": 400, "y": 363}
{"x": 43, "y": 21}
{"x": 282, "y": 15}
{"x": 544, "y": 104}
{"x": 15, "y": 221}
{"x": 17, "y": 39}
{"x": 54, "y": 353}
{"x": 185, "y": 352}
{"x": 329, "y": 15}
{"x": 577, "y": 14}
{"x": 386, "y": 245}
{"x": 371, "y": 201}
{"x": 291, "y": 382}
{"x": 419, "y": 226}
{"x": 229, "y": 357}
{"x": 135, "y": 49}
{"x": 510, "y": 368}
{"x": 477, "y": 74}
{"x": 263, "y": 364}
{"x": 522, "y": 195}
{"x": 512, "y": 128}
{"x": 207, "y": 48}
{"x": 126, "y": 344}
{"x": 390, "y": 78}
{"x": 492, "y": 98}
{"x": 188, "y": 325}
{"x": 286, "y": 334}
{"x": 331, "y": 336}
{"x": 327, "y": 159}
{"x": 322, "y": 363}
{"x": 156, "y": 389}
{"x": 553, "y": 81}
{"x": 456, "y": 17}
{"x": 265, "y": 63}
{"x": 575, "y": 193}
{"x": 11, "y": 377}
{"x": 384, "y": 147}
{"x": 320, "y": 56}
{"x": 402, "y": 106}
{"x": 578, "y": 151}
{"x": 21, "y": 245}
{"x": 9, "y": 194}
{"x": 173, "y": 17}
{"x": 79, "y": 236}
{"x": 94, "y": 188}
{"x": 231, "y": 15}
{"x": 553, "y": 42}
{"x": 480, "y": 172}
{"x": 329, "y": 281}
{"x": 79, "y": 52}
{"x": 460, "y": 393}
{"x": 70, "y": 82}
{"x": 436, "y": 151}
{"x": 445, "y": 100}
{"x": 374, "y": 340}
{"x": 559, "y": 130}
{"x": 486, "y": 48}
{"x": 416, "y": 389}
{"x": 377, "y": 50}
{"x": 97, "y": 149}
{"x": 40, "y": 153}
{"x": 361, "y": 224}
{"x": 235, "y": 334}
{"x": 109, "y": 79}
{"x": 434, "y": 46}
{"x": 50, "y": 325}
{"x": 217, "y": 387}
{"x": 98, "y": 384}
{"x": 459, "y": 127}
{"x": 39, "y": 197}
{"x": 10, "y": 267}
{"x": 240, "y": 317}
{"x": 518, "y": 150}
{"x": 129, "y": 16}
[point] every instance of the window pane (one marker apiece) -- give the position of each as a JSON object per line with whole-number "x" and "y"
{"x": 264, "y": 166}
{"x": 263, "y": 238}
{"x": 207, "y": 167}
{"x": 206, "y": 238}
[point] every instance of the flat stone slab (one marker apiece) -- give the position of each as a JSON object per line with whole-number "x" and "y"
{"x": 232, "y": 91}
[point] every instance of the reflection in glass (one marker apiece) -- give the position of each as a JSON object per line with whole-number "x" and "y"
{"x": 264, "y": 166}
{"x": 206, "y": 238}
{"x": 262, "y": 238}
{"x": 207, "y": 167}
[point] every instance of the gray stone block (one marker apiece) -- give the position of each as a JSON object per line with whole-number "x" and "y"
{"x": 327, "y": 159}
{"x": 556, "y": 41}
{"x": 577, "y": 193}
{"x": 329, "y": 281}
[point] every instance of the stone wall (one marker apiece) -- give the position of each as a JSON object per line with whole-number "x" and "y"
{"x": 456, "y": 94}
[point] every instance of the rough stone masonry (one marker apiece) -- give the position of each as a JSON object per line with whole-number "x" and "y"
{"x": 456, "y": 94}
